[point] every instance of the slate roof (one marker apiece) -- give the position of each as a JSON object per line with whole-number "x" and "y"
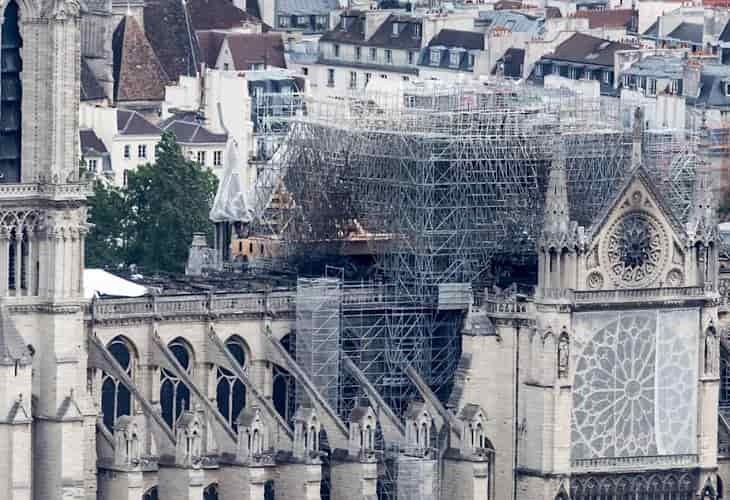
{"x": 586, "y": 49}
{"x": 12, "y": 346}
{"x": 712, "y": 92}
{"x": 132, "y": 123}
{"x": 406, "y": 39}
{"x": 217, "y": 15}
{"x": 658, "y": 66}
{"x": 188, "y": 132}
{"x": 518, "y": 22}
{"x": 256, "y": 48}
{"x": 383, "y": 36}
{"x": 469, "y": 40}
{"x": 90, "y": 143}
{"x": 306, "y": 7}
{"x": 725, "y": 35}
{"x": 355, "y": 32}
{"x": 611, "y": 18}
{"x": 210, "y": 43}
{"x": 513, "y": 59}
{"x": 91, "y": 89}
{"x": 138, "y": 74}
{"x": 166, "y": 28}
{"x": 687, "y": 32}
{"x": 653, "y": 30}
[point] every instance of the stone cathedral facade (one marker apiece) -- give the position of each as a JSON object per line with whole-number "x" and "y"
{"x": 604, "y": 384}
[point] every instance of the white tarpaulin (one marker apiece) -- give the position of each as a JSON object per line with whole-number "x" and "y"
{"x": 231, "y": 203}
{"x": 99, "y": 282}
{"x": 635, "y": 383}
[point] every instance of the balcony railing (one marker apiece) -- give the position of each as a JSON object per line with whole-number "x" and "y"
{"x": 632, "y": 463}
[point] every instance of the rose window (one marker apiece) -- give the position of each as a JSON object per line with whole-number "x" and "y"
{"x": 634, "y": 250}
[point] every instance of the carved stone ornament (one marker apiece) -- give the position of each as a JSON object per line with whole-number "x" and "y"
{"x": 675, "y": 278}
{"x": 595, "y": 281}
{"x": 634, "y": 250}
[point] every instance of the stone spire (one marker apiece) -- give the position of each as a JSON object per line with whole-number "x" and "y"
{"x": 556, "y": 214}
{"x": 637, "y": 138}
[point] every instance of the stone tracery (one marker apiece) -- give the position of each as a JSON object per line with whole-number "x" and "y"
{"x": 635, "y": 249}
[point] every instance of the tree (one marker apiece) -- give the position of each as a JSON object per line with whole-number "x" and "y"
{"x": 108, "y": 212}
{"x": 163, "y": 204}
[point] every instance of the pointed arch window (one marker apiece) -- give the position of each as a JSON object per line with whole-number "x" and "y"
{"x": 10, "y": 95}
{"x": 116, "y": 400}
{"x": 230, "y": 391}
{"x": 174, "y": 394}
{"x": 151, "y": 494}
{"x": 283, "y": 389}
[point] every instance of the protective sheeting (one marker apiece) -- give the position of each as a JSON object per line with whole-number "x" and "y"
{"x": 634, "y": 383}
{"x": 231, "y": 202}
{"x": 98, "y": 282}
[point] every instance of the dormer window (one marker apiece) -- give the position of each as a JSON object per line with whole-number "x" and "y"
{"x": 726, "y": 87}
{"x": 454, "y": 59}
{"x": 651, "y": 89}
{"x": 471, "y": 60}
{"x": 416, "y": 30}
{"x": 344, "y": 23}
{"x": 395, "y": 29}
{"x": 435, "y": 57}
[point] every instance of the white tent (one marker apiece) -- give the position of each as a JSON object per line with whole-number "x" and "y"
{"x": 99, "y": 282}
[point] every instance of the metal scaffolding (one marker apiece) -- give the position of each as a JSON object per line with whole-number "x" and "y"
{"x": 319, "y": 304}
{"x": 440, "y": 178}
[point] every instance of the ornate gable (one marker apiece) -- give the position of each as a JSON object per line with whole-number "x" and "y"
{"x": 636, "y": 242}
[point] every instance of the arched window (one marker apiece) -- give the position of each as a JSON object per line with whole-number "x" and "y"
{"x": 116, "y": 400}
{"x": 283, "y": 393}
{"x": 151, "y": 494}
{"x": 174, "y": 394}
{"x": 211, "y": 492}
{"x": 11, "y": 96}
{"x": 230, "y": 392}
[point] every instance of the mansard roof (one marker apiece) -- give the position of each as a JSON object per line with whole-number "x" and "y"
{"x": 138, "y": 74}
{"x": 12, "y": 346}
{"x": 189, "y": 132}
{"x": 131, "y": 122}
{"x": 248, "y": 49}
{"x": 90, "y": 143}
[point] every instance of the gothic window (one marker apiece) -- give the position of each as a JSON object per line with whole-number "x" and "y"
{"x": 116, "y": 400}
{"x": 174, "y": 394}
{"x": 11, "y": 96}
{"x": 230, "y": 392}
{"x": 151, "y": 494}
{"x": 211, "y": 492}
{"x": 283, "y": 393}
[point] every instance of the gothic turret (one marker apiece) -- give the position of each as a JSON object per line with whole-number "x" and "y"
{"x": 560, "y": 237}
{"x": 702, "y": 232}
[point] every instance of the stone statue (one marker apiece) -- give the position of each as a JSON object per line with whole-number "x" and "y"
{"x": 563, "y": 356}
